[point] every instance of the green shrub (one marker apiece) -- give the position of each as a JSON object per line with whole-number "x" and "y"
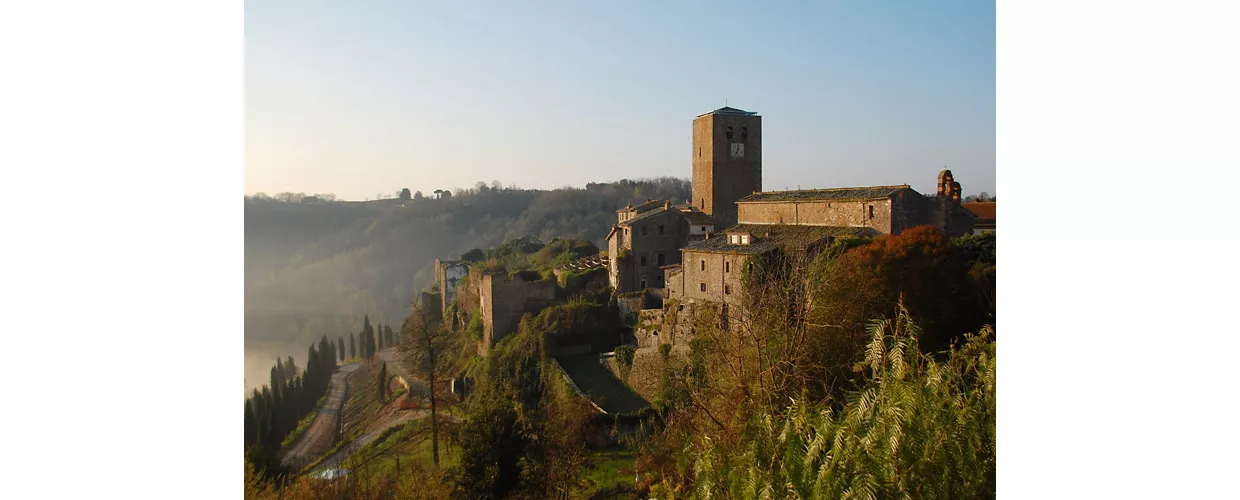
{"x": 475, "y": 327}
{"x": 624, "y": 355}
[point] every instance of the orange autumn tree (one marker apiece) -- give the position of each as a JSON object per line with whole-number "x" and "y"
{"x": 920, "y": 267}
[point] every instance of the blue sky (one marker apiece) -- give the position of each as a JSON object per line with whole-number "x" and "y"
{"x": 360, "y": 98}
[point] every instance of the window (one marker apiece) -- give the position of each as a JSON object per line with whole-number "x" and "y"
{"x": 660, "y": 228}
{"x": 871, "y": 211}
{"x": 727, "y": 289}
{"x": 643, "y": 284}
{"x": 643, "y": 260}
{"x": 727, "y": 267}
{"x": 660, "y": 259}
{"x": 744, "y": 133}
{"x": 703, "y": 265}
{"x": 703, "y": 205}
{"x": 699, "y": 152}
{"x": 729, "y": 133}
{"x": 703, "y": 287}
{"x": 734, "y": 239}
{"x": 744, "y": 239}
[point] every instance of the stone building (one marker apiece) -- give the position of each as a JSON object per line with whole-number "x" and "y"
{"x": 503, "y": 299}
{"x": 447, "y": 274}
{"x": 885, "y": 209}
{"x": 712, "y": 270}
{"x": 727, "y": 161}
{"x": 648, "y": 237}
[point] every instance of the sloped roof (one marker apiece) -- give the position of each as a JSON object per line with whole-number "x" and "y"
{"x": 728, "y": 111}
{"x": 650, "y": 213}
{"x": 831, "y": 194}
{"x": 770, "y": 236}
{"x": 646, "y": 205}
{"x": 698, "y": 218}
{"x": 983, "y": 211}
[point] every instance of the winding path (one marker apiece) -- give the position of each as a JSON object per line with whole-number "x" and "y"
{"x": 395, "y": 367}
{"x": 321, "y": 435}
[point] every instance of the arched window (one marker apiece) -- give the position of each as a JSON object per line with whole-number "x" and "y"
{"x": 744, "y": 133}
{"x": 729, "y": 133}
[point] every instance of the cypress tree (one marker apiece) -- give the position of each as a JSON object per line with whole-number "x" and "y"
{"x": 352, "y": 346}
{"x": 383, "y": 382}
{"x": 340, "y": 345}
{"x": 250, "y": 425}
{"x": 379, "y": 333}
{"x": 368, "y": 337}
{"x": 290, "y": 367}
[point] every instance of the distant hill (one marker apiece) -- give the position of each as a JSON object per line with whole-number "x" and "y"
{"x": 316, "y": 267}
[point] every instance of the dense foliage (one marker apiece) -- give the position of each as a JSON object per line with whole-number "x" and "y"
{"x": 918, "y": 428}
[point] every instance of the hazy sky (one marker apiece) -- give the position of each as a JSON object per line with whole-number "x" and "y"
{"x": 359, "y": 98}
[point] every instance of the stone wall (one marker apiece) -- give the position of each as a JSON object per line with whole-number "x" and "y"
{"x": 941, "y": 212}
{"x": 720, "y": 273}
{"x": 430, "y": 303}
{"x": 655, "y": 242}
{"x": 821, "y": 213}
{"x": 647, "y": 370}
{"x": 502, "y": 301}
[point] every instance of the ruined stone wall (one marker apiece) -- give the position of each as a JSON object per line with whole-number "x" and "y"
{"x": 430, "y": 303}
{"x": 821, "y": 213}
{"x": 674, "y": 283}
{"x": 504, "y": 299}
{"x": 448, "y": 274}
{"x": 940, "y": 212}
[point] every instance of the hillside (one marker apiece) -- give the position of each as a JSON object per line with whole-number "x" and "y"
{"x": 317, "y": 268}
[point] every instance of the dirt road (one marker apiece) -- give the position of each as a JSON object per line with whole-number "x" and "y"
{"x": 395, "y": 367}
{"x": 323, "y": 431}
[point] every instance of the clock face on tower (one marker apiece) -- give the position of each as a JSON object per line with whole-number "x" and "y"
{"x": 738, "y": 150}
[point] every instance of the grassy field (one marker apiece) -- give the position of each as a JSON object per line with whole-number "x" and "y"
{"x": 403, "y": 446}
{"x": 612, "y": 467}
{"x": 601, "y": 385}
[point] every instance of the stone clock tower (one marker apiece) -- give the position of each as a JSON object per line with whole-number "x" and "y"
{"x": 727, "y": 161}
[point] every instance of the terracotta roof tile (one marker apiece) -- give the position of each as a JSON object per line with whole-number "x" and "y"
{"x": 983, "y": 211}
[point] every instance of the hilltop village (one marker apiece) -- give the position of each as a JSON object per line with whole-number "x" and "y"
{"x": 692, "y": 255}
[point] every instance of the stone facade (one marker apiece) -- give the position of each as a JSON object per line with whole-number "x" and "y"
{"x": 503, "y": 299}
{"x": 644, "y": 241}
{"x": 727, "y": 161}
{"x": 447, "y": 274}
{"x": 885, "y": 209}
{"x": 710, "y": 279}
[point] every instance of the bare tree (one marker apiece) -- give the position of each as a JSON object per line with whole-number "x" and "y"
{"x": 424, "y": 340}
